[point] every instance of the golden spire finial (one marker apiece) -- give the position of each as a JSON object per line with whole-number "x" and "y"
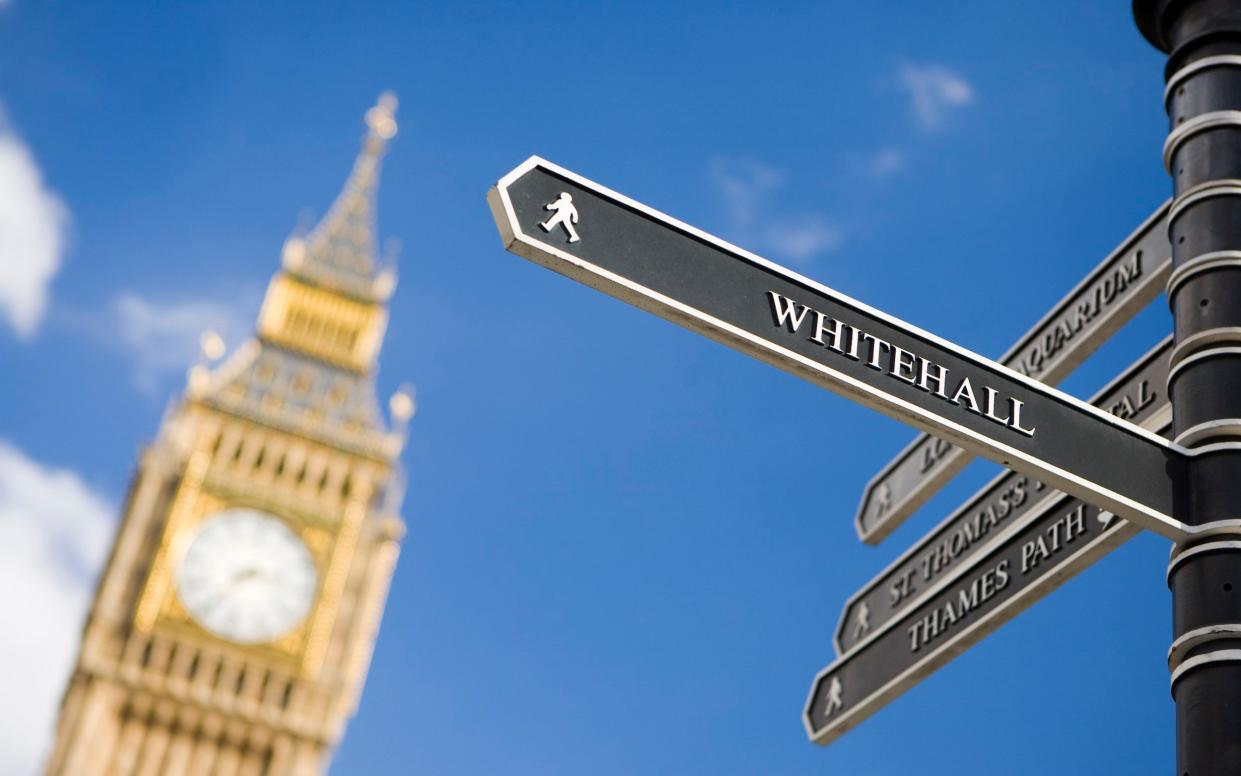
{"x": 211, "y": 344}
{"x": 402, "y": 405}
{"x": 382, "y": 118}
{"x": 339, "y": 252}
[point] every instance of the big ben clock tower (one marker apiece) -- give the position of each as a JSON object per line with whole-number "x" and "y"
{"x": 233, "y": 624}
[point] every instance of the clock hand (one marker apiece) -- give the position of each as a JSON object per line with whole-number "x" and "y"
{"x": 238, "y": 577}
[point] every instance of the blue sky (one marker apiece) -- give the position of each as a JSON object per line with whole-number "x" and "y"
{"x": 628, "y": 546}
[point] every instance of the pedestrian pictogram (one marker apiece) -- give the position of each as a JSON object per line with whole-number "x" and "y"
{"x": 861, "y": 624}
{"x": 835, "y": 701}
{"x": 565, "y": 215}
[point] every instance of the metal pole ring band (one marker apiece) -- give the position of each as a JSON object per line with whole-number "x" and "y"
{"x": 1213, "y": 528}
{"x": 1208, "y": 450}
{"x": 1223, "y": 187}
{"x": 1194, "y": 342}
{"x": 1201, "y": 355}
{"x": 1180, "y": 555}
{"x": 1197, "y": 637}
{"x": 1199, "y": 264}
{"x": 1212, "y": 120}
{"x": 1225, "y": 427}
{"x": 1197, "y": 661}
{"x": 1221, "y": 60}
{"x": 1214, "y": 447}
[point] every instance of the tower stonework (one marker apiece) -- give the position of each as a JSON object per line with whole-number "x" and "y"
{"x": 233, "y": 624}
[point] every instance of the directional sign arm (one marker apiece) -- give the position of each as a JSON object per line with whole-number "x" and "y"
{"x": 995, "y": 588}
{"x": 803, "y": 327}
{"x": 1005, "y": 505}
{"x": 1112, "y": 293}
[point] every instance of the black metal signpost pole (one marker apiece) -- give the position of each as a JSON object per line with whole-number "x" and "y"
{"x": 1203, "y": 155}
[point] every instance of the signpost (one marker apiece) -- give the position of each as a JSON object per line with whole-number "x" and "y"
{"x": 1018, "y": 538}
{"x": 1117, "y": 289}
{"x": 1006, "y": 505}
{"x": 581, "y": 229}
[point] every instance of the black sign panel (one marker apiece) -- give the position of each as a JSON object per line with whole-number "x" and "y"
{"x": 1006, "y": 504}
{"x": 576, "y": 227}
{"x": 993, "y": 589}
{"x": 1112, "y": 293}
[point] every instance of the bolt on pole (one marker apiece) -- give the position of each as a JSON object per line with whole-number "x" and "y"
{"x": 1202, "y": 39}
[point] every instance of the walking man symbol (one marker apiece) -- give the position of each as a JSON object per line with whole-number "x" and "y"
{"x": 566, "y": 216}
{"x": 861, "y": 625}
{"x": 835, "y": 701}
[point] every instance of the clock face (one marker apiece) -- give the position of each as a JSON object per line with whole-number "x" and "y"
{"x": 246, "y": 577}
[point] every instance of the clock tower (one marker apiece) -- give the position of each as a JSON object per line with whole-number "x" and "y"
{"x": 233, "y": 624}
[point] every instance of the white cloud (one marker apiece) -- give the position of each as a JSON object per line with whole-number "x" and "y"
{"x": 747, "y": 187}
{"x": 54, "y": 531}
{"x": 744, "y": 184}
{"x": 33, "y": 235}
{"x": 884, "y": 163}
{"x": 801, "y": 239}
{"x": 162, "y": 338}
{"x": 934, "y": 91}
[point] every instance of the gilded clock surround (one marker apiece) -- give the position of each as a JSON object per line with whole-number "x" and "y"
{"x": 288, "y": 425}
{"x": 199, "y": 497}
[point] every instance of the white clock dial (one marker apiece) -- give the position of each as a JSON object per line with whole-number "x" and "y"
{"x": 246, "y": 577}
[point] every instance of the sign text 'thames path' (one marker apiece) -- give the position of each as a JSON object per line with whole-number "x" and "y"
{"x": 612, "y": 243}
{"x": 1007, "y": 548}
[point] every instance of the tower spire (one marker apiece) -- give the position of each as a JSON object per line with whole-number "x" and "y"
{"x": 339, "y": 252}
{"x": 310, "y": 367}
